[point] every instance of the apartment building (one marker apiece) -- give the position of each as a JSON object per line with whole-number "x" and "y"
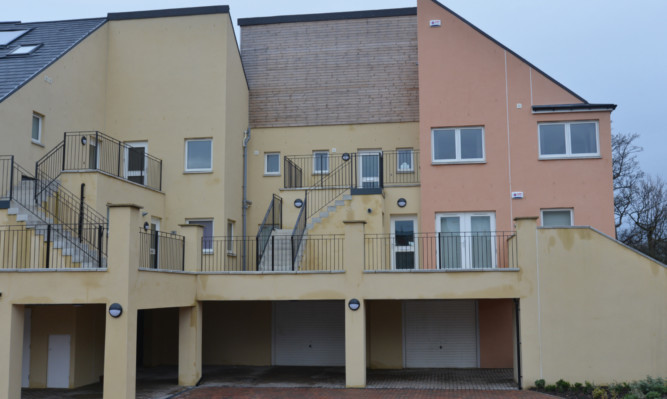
{"x": 386, "y": 189}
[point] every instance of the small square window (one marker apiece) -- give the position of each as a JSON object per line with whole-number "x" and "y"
{"x": 198, "y": 155}
{"x": 568, "y": 140}
{"x": 207, "y": 238}
{"x": 320, "y": 162}
{"x": 272, "y": 163}
{"x": 404, "y": 162}
{"x": 458, "y": 145}
{"x": 25, "y": 49}
{"x": 37, "y": 122}
{"x": 557, "y": 217}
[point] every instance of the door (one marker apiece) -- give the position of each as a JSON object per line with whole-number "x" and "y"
{"x": 94, "y": 150}
{"x": 57, "y": 370}
{"x": 309, "y": 333}
{"x": 155, "y": 243}
{"x": 403, "y": 243}
{"x": 440, "y": 333}
{"x": 135, "y": 162}
{"x": 27, "y": 324}
{"x": 370, "y": 169}
{"x": 466, "y": 240}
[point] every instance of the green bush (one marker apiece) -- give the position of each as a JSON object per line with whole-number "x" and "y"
{"x": 631, "y": 396}
{"x": 650, "y": 384}
{"x": 588, "y": 387}
{"x": 562, "y": 386}
{"x": 539, "y": 384}
{"x": 550, "y": 388}
{"x": 653, "y": 395}
{"x": 578, "y": 387}
{"x": 599, "y": 393}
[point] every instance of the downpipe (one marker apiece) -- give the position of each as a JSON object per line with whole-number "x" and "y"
{"x": 245, "y": 203}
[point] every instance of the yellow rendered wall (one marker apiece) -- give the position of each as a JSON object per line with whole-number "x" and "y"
{"x": 74, "y": 100}
{"x": 237, "y": 333}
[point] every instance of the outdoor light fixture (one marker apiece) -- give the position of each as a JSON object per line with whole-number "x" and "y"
{"x": 146, "y": 225}
{"x": 401, "y": 202}
{"x": 353, "y": 304}
{"x": 298, "y": 203}
{"x": 115, "y": 310}
{"x": 346, "y": 156}
{"x": 84, "y": 140}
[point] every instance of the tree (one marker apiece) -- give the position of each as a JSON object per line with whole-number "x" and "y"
{"x": 626, "y": 173}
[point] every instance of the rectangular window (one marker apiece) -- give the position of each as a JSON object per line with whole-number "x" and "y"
{"x": 37, "y": 122}
{"x": 230, "y": 237}
{"x": 404, "y": 162}
{"x": 272, "y": 163}
{"x": 320, "y": 162}
{"x": 8, "y": 36}
{"x": 568, "y": 140}
{"x": 199, "y": 155}
{"x": 557, "y": 217}
{"x": 458, "y": 145}
{"x": 207, "y": 238}
{"x": 466, "y": 240}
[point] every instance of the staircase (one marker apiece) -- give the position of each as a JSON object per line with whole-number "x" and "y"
{"x": 278, "y": 253}
{"x": 315, "y": 221}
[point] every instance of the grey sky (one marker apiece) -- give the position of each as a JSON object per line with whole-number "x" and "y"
{"x": 604, "y": 50}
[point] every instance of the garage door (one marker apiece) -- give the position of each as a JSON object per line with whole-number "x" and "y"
{"x": 440, "y": 333}
{"x": 309, "y": 333}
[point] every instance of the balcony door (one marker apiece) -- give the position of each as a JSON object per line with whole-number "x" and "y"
{"x": 369, "y": 168}
{"x": 403, "y": 243}
{"x": 466, "y": 240}
{"x": 135, "y": 162}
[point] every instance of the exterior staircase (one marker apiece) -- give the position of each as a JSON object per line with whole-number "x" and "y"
{"x": 314, "y": 221}
{"x": 278, "y": 253}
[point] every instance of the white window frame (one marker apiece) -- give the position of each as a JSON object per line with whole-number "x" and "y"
{"x": 568, "y": 141}
{"x": 557, "y": 210}
{"x": 229, "y": 244}
{"x": 206, "y": 251}
{"x": 457, "y": 144}
{"x": 412, "y": 160}
{"x": 266, "y": 164}
{"x": 197, "y": 170}
{"x": 39, "y": 130}
{"x": 465, "y": 227}
{"x": 395, "y": 249}
{"x": 318, "y": 171}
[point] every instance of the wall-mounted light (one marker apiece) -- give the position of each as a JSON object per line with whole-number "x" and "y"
{"x": 354, "y": 304}
{"x": 369, "y": 210}
{"x": 115, "y": 310}
{"x": 146, "y": 225}
{"x": 298, "y": 203}
{"x": 401, "y": 202}
{"x": 346, "y": 156}
{"x": 144, "y": 214}
{"x": 84, "y": 140}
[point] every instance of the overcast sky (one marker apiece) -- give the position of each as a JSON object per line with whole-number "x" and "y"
{"x": 607, "y": 51}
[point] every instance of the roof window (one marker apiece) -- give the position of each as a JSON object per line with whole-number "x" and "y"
{"x": 25, "y": 49}
{"x": 9, "y": 36}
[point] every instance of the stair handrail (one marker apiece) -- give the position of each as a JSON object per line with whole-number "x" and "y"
{"x": 299, "y": 230}
{"x": 269, "y": 223}
{"x": 323, "y": 192}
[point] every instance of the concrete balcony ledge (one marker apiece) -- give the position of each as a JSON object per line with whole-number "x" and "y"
{"x": 275, "y": 272}
{"x": 504, "y": 269}
{"x": 101, "y": 269}
{"x": 143, "y": 269}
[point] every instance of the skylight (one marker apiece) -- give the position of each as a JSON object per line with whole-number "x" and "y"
{"x": 9, "y": 36}
{"x": 22, "y": 50}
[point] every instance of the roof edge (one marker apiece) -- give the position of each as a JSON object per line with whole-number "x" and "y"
{"x": 559, "y": 84}
{"x": 544, "y": 109}
{"x": 168, "y": 12}
{"x": 333, "y": 16}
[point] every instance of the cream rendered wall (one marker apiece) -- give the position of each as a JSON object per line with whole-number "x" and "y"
{"x": 89, "y": 357}
{"x": 168, "y": 82}
{"x": 75, "y": 100}
{"x": 303, "y": 141}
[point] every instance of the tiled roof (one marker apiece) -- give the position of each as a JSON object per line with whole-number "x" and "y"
{"x": 56, "y": 39}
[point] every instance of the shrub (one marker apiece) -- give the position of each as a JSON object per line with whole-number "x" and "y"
{"x": 578, "y": 387}
{"x": 653, "y": 395}
{"x": 550, "y": 388}
{"x": 631, "y": 396}
{"x": 588, "y": 387}
{"x": 562, "y": 386}
{"x": 599, "y": 393}
{"x": 539, "y": 384}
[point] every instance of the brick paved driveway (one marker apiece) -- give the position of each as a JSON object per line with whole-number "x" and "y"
{"x": 326, "y": 393}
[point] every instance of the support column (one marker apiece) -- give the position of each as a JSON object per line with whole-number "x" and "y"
{"x": 189, "y": 345}
{"x": 355, "y": 320}
{"x": 120, "y": 343}
{"x": 11, "y": 350}
{"x": 193, "y": 234}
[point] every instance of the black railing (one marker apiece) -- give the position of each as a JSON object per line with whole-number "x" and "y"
{"x": 366, "y": 169}
{"x": 7, "y": 183}
{"x": 161, "y": 251}
{"x": 317, "y": 253}
{"x": 273, "y": 219}
{"x": 299, "y": 230}
{"x": 96, "y": 151}
{"x": 46, "y": 246}
{"x": 450, "y": 251}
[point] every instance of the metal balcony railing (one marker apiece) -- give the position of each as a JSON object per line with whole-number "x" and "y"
{"x": 161, "y": 251}
{"x": 445, "y": 251}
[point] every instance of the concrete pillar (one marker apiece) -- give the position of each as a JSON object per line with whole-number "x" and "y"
{"x": 355, "y": 320}
{"x": 530, "y": 320}
{"x": 120, "y": 343}
{"x": 193, "y": 234}
{"x": 11, "y": 349}
{"x": 189, "y": 345}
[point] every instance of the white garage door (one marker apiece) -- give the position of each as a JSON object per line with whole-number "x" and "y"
{"x": 440, "y": 333}
{"x": 309, "y": 333}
